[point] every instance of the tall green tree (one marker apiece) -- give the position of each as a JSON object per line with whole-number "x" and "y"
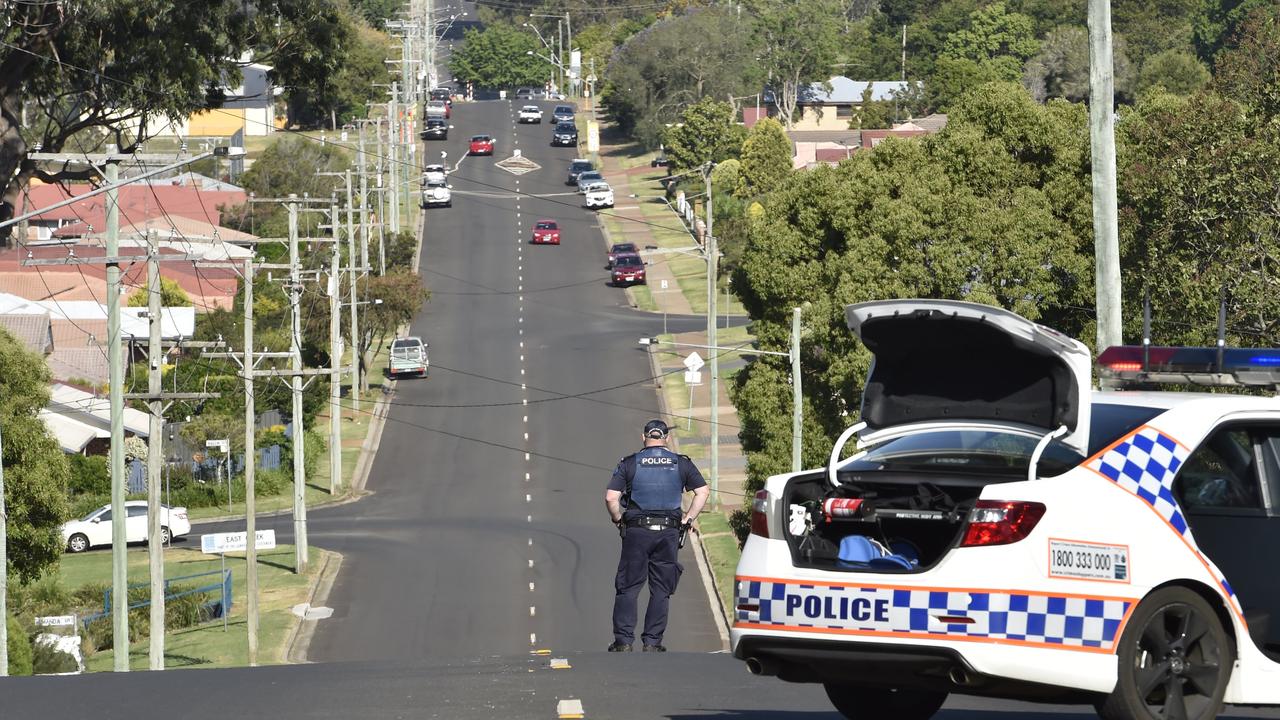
{"x": 171, "y": 295}
{"x": 1251, "y": 71}
{"x": 798, "y": 44}
{"x": 499, "y": 57}
{"x": 1176, "y": 71}
{"x": 766, "y": 158}
{"x": 36, "y": 472}
{"x": 1061, "y": 68}
{"x": 995, "y": 38}
{"x": 676, "y": 62}
{"x": 995, "y": 209}
{"x": 707, "y": 132}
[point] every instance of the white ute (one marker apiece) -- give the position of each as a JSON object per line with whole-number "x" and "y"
{"x": 530, "y": 114}
{"x": 1005, "y": 530}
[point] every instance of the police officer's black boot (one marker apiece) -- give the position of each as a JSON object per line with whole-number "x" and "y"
{"x": 619, "y": 646}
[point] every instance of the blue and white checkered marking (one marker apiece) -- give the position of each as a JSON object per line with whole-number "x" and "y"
{"x": 1144, "y": 464}
{"x": 1012, "y": 617}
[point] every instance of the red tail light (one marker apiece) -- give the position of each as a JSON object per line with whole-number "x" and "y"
{"x": 760, "y": 514}
{"x": 996, "y": 522}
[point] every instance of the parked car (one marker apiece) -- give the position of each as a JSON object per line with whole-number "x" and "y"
{"x": 436, "y": 193}
{"x": 435, "y": 128}
{"x": 530, "y": 114}
{"x": 94, "y": 529}
{"x": 438, "y": 108}
{"x": 562, "y": 113}
{"x": 598, "y": 195}
{"x": 442, "y": 93}
{"x": 409, "y": 357}
{"x": 620, "y": 249}
{"x": 628, "y": 270}
{"x": 434, "y": 173}
{"x": 565, "y": 134}
{"x": 660, "y": 161}
{"x": 525, "y": 93}
{"x": 576, "y": 168}
{"x": 591, "y": 177}
{"x": 480, "y": 145}
{"x": 546, "y": 232}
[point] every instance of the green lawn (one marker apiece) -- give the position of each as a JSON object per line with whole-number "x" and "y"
{"x": 208, "y": 645}
{"x": 722, "y": 553}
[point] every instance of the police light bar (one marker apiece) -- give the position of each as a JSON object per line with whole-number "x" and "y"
{"x": 1219, "y": 366}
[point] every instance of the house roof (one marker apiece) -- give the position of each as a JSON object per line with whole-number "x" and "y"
{"x": 931, "y": 123}
{"x": 29, "y": 329}
{"x": 849, "y": 92}
{"x": 852, "y": 137}
{"x": 93, "y": 410}
{"x": 138, "y": 202}
{"x": 72, "y": 435}
{"x": 79, "y": 363}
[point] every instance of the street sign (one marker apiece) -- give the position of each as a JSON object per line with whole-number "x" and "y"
{"x": 664, "y": 284}
{"x": 222, "y": 445}
{"x": 692, "y": 377}
{"x": 56, "y": 621}
{"x": 694, "y": 362}
{"x": 218, "y": 543}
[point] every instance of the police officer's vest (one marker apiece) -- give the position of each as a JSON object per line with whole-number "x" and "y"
{"x": 655, "y": 481}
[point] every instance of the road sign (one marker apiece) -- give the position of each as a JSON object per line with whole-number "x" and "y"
{"x": 218, "y": 543}
{"x": 56, "y": 621}
{"x": 222, "y": 445}
{"x": 692, "y": 377}
{"x": 694, "y": 362}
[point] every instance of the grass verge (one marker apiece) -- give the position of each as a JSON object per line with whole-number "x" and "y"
{"x": 208, "y": 645}
{"x": 722, "y": 553}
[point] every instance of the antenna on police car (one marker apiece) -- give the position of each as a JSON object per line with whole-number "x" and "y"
{"x": 1146, "y": 330}
{"x": 1222, "y": 323}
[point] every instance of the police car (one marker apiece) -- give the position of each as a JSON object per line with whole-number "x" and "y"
{"x": 1005, "y": 530}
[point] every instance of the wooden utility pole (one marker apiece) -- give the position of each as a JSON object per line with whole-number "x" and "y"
{"x": 1102, "y": 142}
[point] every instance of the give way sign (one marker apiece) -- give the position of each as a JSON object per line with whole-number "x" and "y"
{"x": 694, "y": 362}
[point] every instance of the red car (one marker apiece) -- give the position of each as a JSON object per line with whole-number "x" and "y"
{"x": 628, "y": 270}
{"x": 481, "y": 145}
{"x": 620, "y": 249}
{"x": 546, "y": 232}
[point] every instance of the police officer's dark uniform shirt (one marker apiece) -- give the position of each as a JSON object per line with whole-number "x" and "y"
{"x": 659, "y": 477}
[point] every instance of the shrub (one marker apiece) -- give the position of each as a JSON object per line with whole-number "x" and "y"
{"x": 740, "y": 523}
{"x": 46, "y": 659}
{"x": 19, "y": 648}
{"x": 89, "y": 475}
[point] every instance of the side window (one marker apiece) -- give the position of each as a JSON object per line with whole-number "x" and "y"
{"x": 105, "y": 516}
{"x": 1221, "y": 474}
{"x": 136, "y": 511}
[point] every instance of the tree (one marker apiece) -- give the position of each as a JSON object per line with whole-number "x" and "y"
{"x": 798, "y": 41}
{"x": 171, "y": 295}
{"x": 1061, "y": 68}
{"x": 75, "y": 76}
{"x": 291, "y": 164}
{"x": 995, "y": 38}
{"x": 766, "y": 158}
{"x": 676, "y": 62}
{"x": 402, "y": 296}
{"x": 1217, "y": 24}
{"x": 35, "y": 470}
{"x": 1250, "y": 73}
{"x": 994, "y": 209}
{"x": 1176, "y": 71}
{"x": 871, "y": 114}
{"x": 707, "y": 133}
{"x": 19, "y": 648}
{"x": 499, "y": 57}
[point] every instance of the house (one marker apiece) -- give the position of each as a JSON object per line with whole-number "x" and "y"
{"x": 829, "y": 147}
{"x": 250, "y": 108}
{"x": 32, "y": 330}
{"x": 138, "y": 202}
{"x": 81, "y": 420}
{"x": 820, "y": 108}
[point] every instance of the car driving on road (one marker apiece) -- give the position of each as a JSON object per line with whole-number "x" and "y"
{"x": 588, "y": 178}
{"x": 563, "y": 114}
{"x": 480, "y": 145}
{"x": 94, "y": 529}
{"x": 435, "y": 128}
{"x": 409, "y": 357}
{"x": 438, "y": 108}
{"x": 530, "y": 114}
{"x": 598, "y": 195}
{"x": 436, "y": 193}
{"x": 1002, "y": 529}
{"x": 434, "y": 173}
{"x": 627, "y": 270}
{"x": 565, "y": 134}
{"x": 546, "y": 232}
{"x": 576, "y": 168}
{"x": 617, "y": 249}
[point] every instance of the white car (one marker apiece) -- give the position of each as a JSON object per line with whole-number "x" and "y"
{"x": 598, "y": 195}
{"x": 1005, "y": 530}
{"x": 587, "y": 179}
{"x": 530, "y": 114}
{"x": 94, "y": 529}
{"x": 437, "y": 193}
{"x": 434, "y": 173}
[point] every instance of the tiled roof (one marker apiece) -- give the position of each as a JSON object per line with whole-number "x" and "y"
{"x": 30, "y": 329}
{"x": 81, "y": 363}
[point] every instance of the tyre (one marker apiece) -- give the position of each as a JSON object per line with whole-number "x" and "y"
{"x": 78, "y": 543}
{"x": 165, "y": 536}
{"x": 863, "y": 703}
{"x": 1174, "y": 660}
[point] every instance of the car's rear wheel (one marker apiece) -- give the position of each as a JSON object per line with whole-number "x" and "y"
{"x": 864, "y": 703}
{"x": 165, "y": 536}
{"x": 78, "y": 543}
{"x": 1174, "y": 661}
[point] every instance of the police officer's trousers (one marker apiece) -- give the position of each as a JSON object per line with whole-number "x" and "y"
{"x": 646, "y": 554}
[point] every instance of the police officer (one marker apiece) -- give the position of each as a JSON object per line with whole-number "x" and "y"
{"x": 651, "y": 482}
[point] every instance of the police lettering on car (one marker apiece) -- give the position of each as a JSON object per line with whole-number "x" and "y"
{"x": 644, "y": 500}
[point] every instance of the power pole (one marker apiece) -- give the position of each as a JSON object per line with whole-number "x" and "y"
{"x": 4, "y": 572}
{"x": 355, "y": 318}
{"x": 714, "y": 360}
{"x": 335, "y": 358}
{"x": 1102, "y": 142}
{"x": 394, "y": 168}
{"x": 115, "y": 392}
{"x": 155, "y": 456}
{"x": 797, "y": 397}
{"x": 295, "y": 351}
{"x": 250, "y": 466}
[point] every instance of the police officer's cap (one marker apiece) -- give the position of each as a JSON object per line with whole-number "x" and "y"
{"x": 656, "y": 429}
